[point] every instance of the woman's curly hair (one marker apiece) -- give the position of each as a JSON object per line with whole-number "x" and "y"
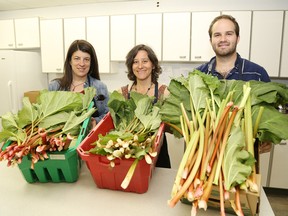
{"x": 152, "y": 57}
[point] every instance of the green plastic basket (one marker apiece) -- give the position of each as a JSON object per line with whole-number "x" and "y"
{"x": 61, "y": 166}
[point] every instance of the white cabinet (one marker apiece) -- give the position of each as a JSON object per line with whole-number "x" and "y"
{"x": 284, "y": 57}
{"x": 244, "y": 20}
{"x": 98, "y": 34}
{"x": 52, "y": 45}
{"x": 176, "y": 36}
{"x": 279, "y": 169}
{"x": 122, "y": 36}
{"x": 7, "y": 34}
{"x": 19, "y": 33}
{"x": 74, "y": 29}
{"x": 149, "y": 31}
{"x": 265, "y": 171}
{"x": 27, "y": 33}
{"x": 201, "y": 49}
{"x": 266, "y": 40}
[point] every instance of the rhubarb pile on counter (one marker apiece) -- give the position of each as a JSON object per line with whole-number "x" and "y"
{"x": 220, "y": 120}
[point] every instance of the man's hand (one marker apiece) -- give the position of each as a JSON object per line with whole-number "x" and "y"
{"x": 265, "y": 147}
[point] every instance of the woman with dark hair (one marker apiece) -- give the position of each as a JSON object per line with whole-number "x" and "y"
{"x": 144, "y": 70}
{"x": 81, "y": 71}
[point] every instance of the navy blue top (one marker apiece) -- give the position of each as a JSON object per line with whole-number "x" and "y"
{"x": 243, "y": 70}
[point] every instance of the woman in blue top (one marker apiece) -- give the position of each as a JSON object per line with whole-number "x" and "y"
{"x": 81, "y": 71}
{"x": 228, "y": 64}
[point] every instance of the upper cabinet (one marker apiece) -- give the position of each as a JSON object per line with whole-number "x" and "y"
{"x": 122, "y": 36}
{"x": 149, "y": 31}
{"x": 27, "y": 33}
{"x": 266, "y": 40}
{"x": 19, "y": 33}
{"x": 7, "y": 34}
{"x": 98, "y": 34}
{"x": 244, "y": 20}
{"x": 176, "y": 36}
{"x": 284, "y": 56}
{"x": 74, "y": 29}
{"x": 201, "y": 49}
{"x": 52, "y": 45}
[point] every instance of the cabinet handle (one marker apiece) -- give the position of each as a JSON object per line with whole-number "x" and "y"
{"x": 182, "y": 57}
{"x": 58, "y": 69}
{"x": 198, "y": 57}
{"x": 20, "y": 44}
{"x": 10, "y": 45}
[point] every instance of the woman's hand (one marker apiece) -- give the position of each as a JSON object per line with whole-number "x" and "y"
{"x": 93, "y": 122}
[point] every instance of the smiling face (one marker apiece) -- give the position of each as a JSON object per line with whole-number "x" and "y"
{"x": 224, "y": 39}
{"x": 142, "y": 66}
{"x": 80, "y": 63}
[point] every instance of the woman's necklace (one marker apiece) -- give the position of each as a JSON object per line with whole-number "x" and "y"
{"x": 147, "y": 89}
{"x": 74, "y": 86}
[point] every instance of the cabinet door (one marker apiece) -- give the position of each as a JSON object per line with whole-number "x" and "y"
{"x": 264, "y": 165}
{"x": 284, "y": 57}
{"x": 27, "y": 33}
{"x": 244, "y": 20}
{"x": 279, "y": 170}
{"x": 201, "y": 49}
{"x": 7, "y": 35}
{"x": 149, "y": 31}
{"x": 52, "y": 45}
{"x": 122, "y": 36}
{"x": 176, "y": 36}
{"x": 74, "y": 29}
{"x": 266, "y": 40}
{"x": 98, "y": 34}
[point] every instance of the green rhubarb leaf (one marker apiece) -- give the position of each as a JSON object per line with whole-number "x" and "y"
{"x": 57, "y": 101}
{"x": 198, "y": 93}
{"x": 273, "y": 124}
{"x": 148, "y": 114}
{"x": 74, "y": 122}
{"x": 89, "y": 93}
{"x": 9, "y": 122}
{"x": 235, "y": 167}
{"x": 121, "y": 110}
{"x": 170, "y": 110}
{"x": 56, "y": 119}
{"x": 27, "y": 114}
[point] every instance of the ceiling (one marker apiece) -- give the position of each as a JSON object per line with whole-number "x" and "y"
{"x": 7, "y": 5}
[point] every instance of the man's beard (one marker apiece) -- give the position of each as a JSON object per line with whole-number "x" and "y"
{"x": 225, "y": 53}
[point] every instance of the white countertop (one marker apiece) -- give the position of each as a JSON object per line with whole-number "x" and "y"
{"x": 17, "y": 197}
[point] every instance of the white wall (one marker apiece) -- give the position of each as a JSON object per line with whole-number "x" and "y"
{"x": 147, "y": 7}
{"x": 116, "y": 80}
{"x": 119, "y": 78}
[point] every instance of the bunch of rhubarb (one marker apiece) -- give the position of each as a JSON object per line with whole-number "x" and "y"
{"x": 220, "y": 122}
{"x": 136, "y": 122}
{"x": 49, "y": 125}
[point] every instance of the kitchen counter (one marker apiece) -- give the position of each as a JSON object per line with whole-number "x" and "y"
{"x": 17, "y": 197}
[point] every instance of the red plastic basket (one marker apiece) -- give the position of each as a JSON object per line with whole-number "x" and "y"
{"x": 111, "y": 178}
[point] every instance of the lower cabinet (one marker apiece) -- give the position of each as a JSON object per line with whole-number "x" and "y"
{"x": 274, "y": 166}
{"x": 264, "y": 164}
{"x": 279, "y": 168}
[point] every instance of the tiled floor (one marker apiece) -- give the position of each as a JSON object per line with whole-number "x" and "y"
{"x": 278, "y": 199}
